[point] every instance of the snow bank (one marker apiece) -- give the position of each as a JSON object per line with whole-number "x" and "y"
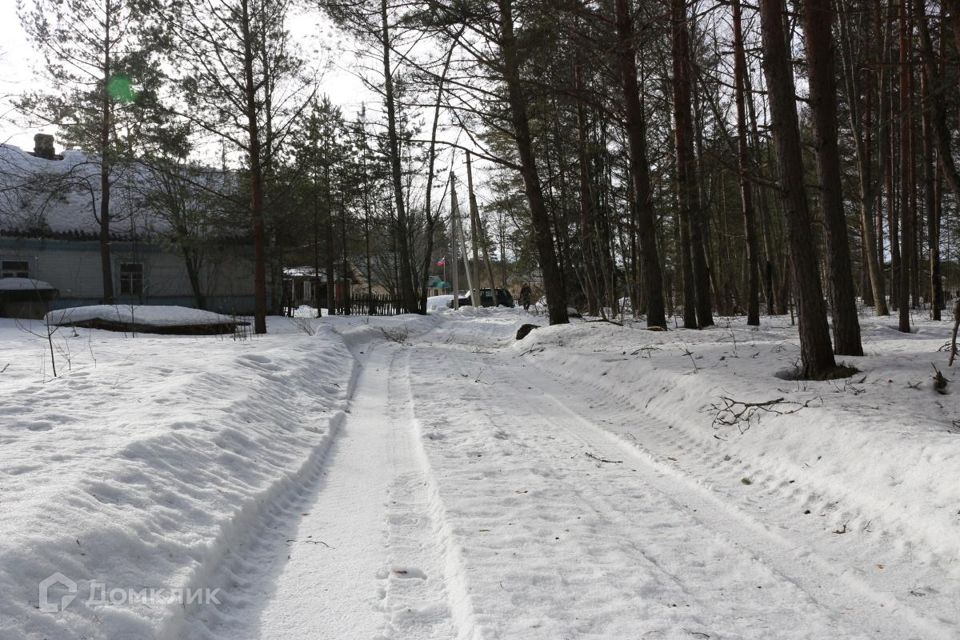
{"x": 878, "y": 452}
{"x": 24, "y": 284}
{"x": 158, "y": 315}
{"x": 305, "y": 311}
{"x": 144, "y": 462}
{"x": 439, "y": 303}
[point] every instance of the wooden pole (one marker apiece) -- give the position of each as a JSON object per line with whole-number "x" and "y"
{"x": 455, "y": 223}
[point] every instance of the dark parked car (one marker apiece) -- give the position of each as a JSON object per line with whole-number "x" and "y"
{"x": 504, "y": 299}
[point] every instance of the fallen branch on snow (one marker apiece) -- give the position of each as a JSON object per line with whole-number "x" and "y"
{"x": 741, "y": 414}
{"x": 599, "y": 459}
{"x": 312, "y": 542}
{"x": 398, "y": 335}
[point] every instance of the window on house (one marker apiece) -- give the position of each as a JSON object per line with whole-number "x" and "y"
{"x": 131, "y": 278}
{"x": 14, "y": 269}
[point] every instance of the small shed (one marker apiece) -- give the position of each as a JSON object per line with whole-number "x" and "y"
{"x": 25, "y": 298}
{"x": 437, "y": 286}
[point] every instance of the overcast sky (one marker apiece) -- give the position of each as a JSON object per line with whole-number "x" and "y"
{"x": 16, "y": 66}
{"x": 18, "y": 70}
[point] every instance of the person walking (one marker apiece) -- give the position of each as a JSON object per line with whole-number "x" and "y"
{"x": 525, "y": 296}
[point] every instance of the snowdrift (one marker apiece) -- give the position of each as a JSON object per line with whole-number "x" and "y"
{"x": 876, "y": 452}
{"x": 145, "y": 319}
{"x": 140, "y": 466}
{"x": 24, "y": 284}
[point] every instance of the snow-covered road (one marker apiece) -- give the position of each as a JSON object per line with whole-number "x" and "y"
{"x": 461, "y": 485}
{"x": 354, "y": 552}
{"x": 470, "y": 494}
{"x": 574, "y": 525}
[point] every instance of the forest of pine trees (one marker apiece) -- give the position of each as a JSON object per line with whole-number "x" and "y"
{"x": 675, "y": 159}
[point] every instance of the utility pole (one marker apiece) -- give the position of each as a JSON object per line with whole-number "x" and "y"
{"x": 455, "y": 223}
{"x": 475, "y": 267}
{"x": 475, "y": 213}
{"x": 474, "y": 298}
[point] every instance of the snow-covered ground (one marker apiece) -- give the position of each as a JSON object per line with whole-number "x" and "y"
{"x": 432, "y": 477}
{"x": 439, "y": 303}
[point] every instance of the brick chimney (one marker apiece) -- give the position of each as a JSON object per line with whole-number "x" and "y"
{"x": 43, "y": 146}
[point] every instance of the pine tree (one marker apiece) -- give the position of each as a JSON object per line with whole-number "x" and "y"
{"x": 101, "y": 60}
{"x": 816, "y": 353}
{"x": 818, "y": 29}
{"x": 240, "y": 82}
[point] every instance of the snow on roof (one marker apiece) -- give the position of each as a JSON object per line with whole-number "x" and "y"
{"x": 155, "y": 315}
{"x": 311, "y": 272}
{"x": 24, "y": 284}
{"x": 50, "y": 198}
{"x": 305, "y": 272}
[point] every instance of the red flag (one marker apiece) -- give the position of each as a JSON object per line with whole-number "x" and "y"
{"x": 442, "y": 262}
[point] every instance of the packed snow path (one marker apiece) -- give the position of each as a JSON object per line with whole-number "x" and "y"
{"x": 473, "y": 494}
{"x": 347, "y": 556}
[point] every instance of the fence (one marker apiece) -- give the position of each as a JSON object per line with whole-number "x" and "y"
{"x": 364, "y": 304}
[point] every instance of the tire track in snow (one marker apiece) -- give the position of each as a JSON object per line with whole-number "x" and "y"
{"x": 420, "y": 535}
{"x": 245, "y": 542}
{"x": 671, "y": 516}
{"x": 879, "y": 559}
{"x": 352, "y": 549}
{"x": 300, "y": 571}
{"x": 556, "y": 554}
{"x": 859, "y": 601}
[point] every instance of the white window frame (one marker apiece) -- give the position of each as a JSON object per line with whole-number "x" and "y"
{"x": 125, "y": 276}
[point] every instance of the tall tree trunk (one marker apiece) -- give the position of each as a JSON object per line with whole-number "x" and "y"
{"x": 862, "y": 129}
{"x": 683, "y": 149}
{"x": 929, "y": 160}
{"x": 816, "y": 354}
{"x": 366, "y": 233}
{"x": 106, "y": 124}
{"x": 328, "y": 241}
{"x": 586, "y": 200}
{"x": 540, "y": 217}
{"x": 347, "y": 275}
{"x": 684, "y": 255}
{"x": 408, "y": 295}
{"x": 906, "y": 167}
{"x": 106, "y": 263}
{"x": 192, "y": 261}
{"x": 639, "y": 167}
{"x": 936, "y": 102}
{"x": 886, "y": 135}
{"x": 687, "y": 160}
{"x": 314, "y": 192}
{"x": 432, "y": 220}
{"x": 818, "y": 29}
{"x": 256, "y": 174}
{"x": 766, "y": 221}
{"x": 936, "y": 143}
{"x": 933, "y": 231}
{"x": 274, "y": 251}
{"x": 743, "y": 165}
